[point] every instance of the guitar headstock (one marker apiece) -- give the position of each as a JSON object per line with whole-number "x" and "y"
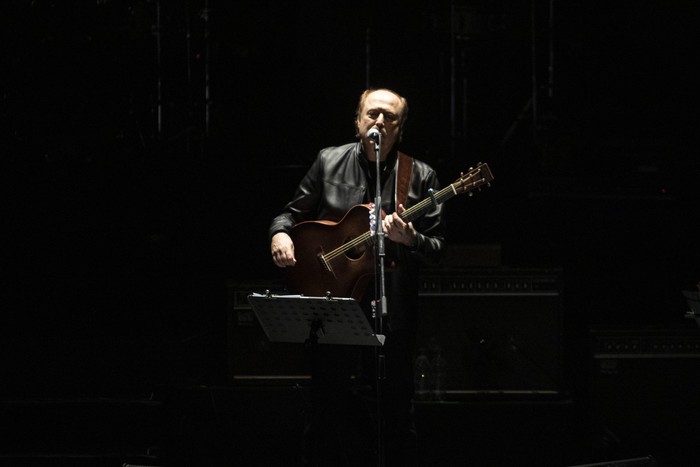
{"x": 475, "y": 178}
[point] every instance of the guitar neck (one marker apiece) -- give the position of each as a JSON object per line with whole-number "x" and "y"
{"x": 418, "y": 210}
{"x": 475, "y": 178}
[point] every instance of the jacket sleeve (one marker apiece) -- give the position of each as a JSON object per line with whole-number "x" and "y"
{"x": 304, "y": 204}
{"x": 430, "y": 245}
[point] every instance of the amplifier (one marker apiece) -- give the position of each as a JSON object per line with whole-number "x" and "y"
{"x": 499, "y": 329}
{"x": 491, "y": 282}
{"x": 251, "y": 356}
{"x": 645, "y": 344}
{"x": 643, "y": 390}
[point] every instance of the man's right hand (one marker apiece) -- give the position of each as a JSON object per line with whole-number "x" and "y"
{"x": 282, "y": 248}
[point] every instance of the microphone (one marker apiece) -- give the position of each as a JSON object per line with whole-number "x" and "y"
{"x": 374, "y": 135}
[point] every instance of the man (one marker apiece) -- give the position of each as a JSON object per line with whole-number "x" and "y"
{"x": 340, "y": 178}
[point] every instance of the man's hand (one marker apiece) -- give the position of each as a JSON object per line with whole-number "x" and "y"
{"x": 282, "y": 248}
{"x": 399, "y": 231}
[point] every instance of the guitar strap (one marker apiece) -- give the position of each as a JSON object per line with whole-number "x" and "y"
{"x": 403, "y": 178}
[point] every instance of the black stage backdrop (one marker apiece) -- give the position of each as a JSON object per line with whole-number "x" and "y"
{"x": 148, "y": 144}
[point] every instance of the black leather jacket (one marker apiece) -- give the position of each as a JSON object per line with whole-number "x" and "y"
{"x": 341, "y": 177}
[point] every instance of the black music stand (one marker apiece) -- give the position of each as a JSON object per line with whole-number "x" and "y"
{"x": 313, "y": 320}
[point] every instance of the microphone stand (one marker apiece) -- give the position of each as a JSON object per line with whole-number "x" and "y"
{"x": 382, "y": 302}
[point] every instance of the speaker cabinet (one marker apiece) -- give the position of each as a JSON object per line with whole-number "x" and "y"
{"x": 500, "y": 330}
{"x": 251, "y": 356}
{"x": 644, "y": 387}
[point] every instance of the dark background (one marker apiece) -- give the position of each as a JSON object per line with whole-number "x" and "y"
{"x": 148, "y": 144}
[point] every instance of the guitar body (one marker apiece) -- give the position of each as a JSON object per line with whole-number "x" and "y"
{"x": 344, "y": 275}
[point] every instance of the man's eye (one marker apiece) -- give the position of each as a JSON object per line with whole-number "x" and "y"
{"x": 389, "y": 117}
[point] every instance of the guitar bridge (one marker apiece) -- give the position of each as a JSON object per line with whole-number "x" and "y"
{"x": 325, "y": 264}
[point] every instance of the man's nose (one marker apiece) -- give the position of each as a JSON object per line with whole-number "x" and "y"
{"x": 380, "y": 120}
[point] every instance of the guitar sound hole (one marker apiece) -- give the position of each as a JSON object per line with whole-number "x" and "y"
{"x": 355, "y": 252}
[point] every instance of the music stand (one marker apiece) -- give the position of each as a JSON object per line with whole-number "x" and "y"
{"x": 313, "y": 320}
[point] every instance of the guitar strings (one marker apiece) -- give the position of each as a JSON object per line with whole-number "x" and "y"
{"x": 442, "y": 196}
{"x": 347, "y": 246}
{"x": 368, "y": 235}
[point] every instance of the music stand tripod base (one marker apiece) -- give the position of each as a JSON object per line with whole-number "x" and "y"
{"x": 318, "y": 320}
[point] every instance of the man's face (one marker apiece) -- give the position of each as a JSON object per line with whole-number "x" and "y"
{"x": 381, "y": 110}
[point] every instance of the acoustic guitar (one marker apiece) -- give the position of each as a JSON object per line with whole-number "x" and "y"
{"x": 336, "y": 258}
